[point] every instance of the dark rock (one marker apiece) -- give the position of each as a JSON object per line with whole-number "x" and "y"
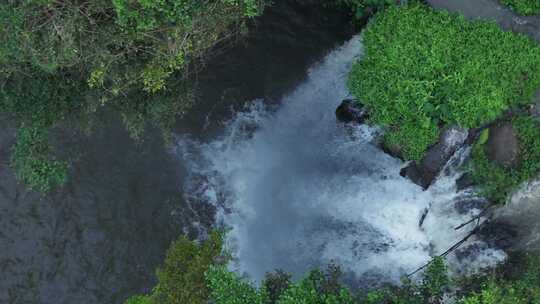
{"x": 465, "y": 205}
{"x": 502, "y": 146}
{"x": 534, "y": 109}
{"x": 394, "y": 151}
{"x": 424, "y": 172}
{"x": 472, "y": 250}
{"x": 351, "y": 110}
{"x": 499, "y": 234}
{"x": 465, "y": 181}
{"x": 412, "y": 171}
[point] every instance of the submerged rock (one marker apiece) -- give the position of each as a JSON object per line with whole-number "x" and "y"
{"x": 424, "y": 172}
{"x": 499, "y": 234}
{"x": 466, "y": 205}
{"x": 465, "y": 181}
{"x": 502, "y": 146}
{"x": 351, "y": 110}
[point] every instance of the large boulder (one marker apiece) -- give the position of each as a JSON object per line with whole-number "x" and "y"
{"x": 502, "y": 146}
{"x": 351, "y": 110}
{"x": 424, "y": 172}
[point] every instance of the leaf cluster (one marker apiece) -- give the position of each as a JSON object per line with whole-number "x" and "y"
{"x": 524, "y": 7}
{"x": 425, "y": 69}
{"x": 497, "y": 181}
{"x": 182, "y": 277}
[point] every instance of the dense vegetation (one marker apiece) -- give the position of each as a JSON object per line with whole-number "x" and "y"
{"x": 524, "y": 7}
{"x": 424, "y": 69}
{"x": 196, "y": 273}
{"x": 64, "y": 60}
{"x": 498, "y": 181}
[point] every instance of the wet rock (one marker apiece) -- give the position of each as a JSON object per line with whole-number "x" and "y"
{"x": 499, "y": 234}
{"x": 465, "y": 181}
{"x": 465, "y": 205}
{"x": 424, "y": 172}
{"x": 502, "y": 146}
{"x": 534, "y": 109}
{"x": 351, "y": 110}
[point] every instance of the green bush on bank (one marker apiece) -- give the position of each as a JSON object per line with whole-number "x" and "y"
{"x": 33, "y": 162}
{"x": 196, "y": 273}
{"x": 424, "y": 69}
{"x": 524, "y": 7}
{"x": 64, "y": 60}
{"x": 360, "y": 7}
{"x": 182, "y": 279}
{"x": 497, "y": 181}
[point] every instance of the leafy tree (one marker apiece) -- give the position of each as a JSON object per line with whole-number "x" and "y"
{"x": 431, "y": 289}
{"x": 182, "y": 277}
{"x": 275, "y": 283}
{"x": 317, "y": 288}
{"x": 227, "y": 288}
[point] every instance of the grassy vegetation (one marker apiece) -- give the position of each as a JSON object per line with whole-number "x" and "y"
{"x": 424, "y": 69}
{"x": 196, "y": 273}
{"x": 524, "y": 7}
{"x": 497, "y": 181}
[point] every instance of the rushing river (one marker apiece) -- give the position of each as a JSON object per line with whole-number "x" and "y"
{"x": 298, "y": 189}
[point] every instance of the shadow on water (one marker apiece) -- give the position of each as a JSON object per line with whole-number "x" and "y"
{"x": 99, "y": 239}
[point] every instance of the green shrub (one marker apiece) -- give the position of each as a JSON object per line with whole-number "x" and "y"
{"x": 359, "y": 7}
{"x": 432, "y": 287}
{"x": 424, "y": 69}
{"x": 524, "y": 7}
{"x": 497, "y": 182}
{"x": 182, "y": 277}
{"x": 228, "y": 288}
{"x": 524, "y": 289}
{"x": 33, "y": 162}
{"x": 197, "y": 273}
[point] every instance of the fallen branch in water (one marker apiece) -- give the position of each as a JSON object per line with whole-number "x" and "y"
{"x": 455, "y": 246}
{"x": 475, "y": 218}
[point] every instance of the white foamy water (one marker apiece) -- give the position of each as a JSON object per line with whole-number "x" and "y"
{"x": 298, "y": 189}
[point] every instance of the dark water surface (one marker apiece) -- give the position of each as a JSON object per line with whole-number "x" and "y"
{"x": 100, "y": 238}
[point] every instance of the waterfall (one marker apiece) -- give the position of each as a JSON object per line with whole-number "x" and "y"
{"x": 298, "y": 190}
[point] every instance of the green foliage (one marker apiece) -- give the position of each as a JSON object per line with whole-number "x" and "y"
{"x": 317, "y": 288}
{"x": 424, "y": 69}
{"x": 524, "y": 7}
{"x": 33, "y": 163}
{"x": 196, "y": 273}
{"x": 228, "y": 288}
{"x": 63, "y": 60}
{"x": 435, "y": 280}
{"x": 182, "y": 277}
{"x": 360, "y": 6}
{"x": 497, "y": 181}
{"x": 275, "y": 283}
{"x": 433, "y": 285}
{"x": 522, "y": 290}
